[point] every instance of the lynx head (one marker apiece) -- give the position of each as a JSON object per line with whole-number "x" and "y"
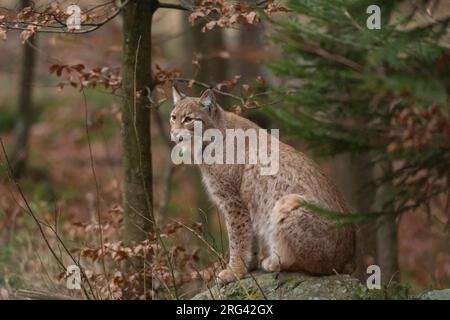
{"x": 188, "y": 110}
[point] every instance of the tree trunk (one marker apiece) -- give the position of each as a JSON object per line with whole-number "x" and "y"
{"x": 387, "y": 242}
{"x": 353, "y": 175}
{"x": 213, "y": 67}
{"x": 375, "y": 242}
{"x": 387, "y": 248}
{"x": 25, "y": 110}
{"x": 215, "y": 70}
{"x": 250, "y": 46}
{"x": 248, "y": 53}
{"x": 137, "y": 161}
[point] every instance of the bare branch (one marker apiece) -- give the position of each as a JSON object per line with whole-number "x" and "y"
{"x": 165, "y": 5}
{"x": 60, "y": 26}
{"x": 207, "y": 86}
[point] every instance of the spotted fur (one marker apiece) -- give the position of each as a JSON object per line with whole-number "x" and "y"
{"x": 267, "y": 212}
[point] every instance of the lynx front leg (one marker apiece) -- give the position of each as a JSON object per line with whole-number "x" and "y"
{"x": 241, "y": 241}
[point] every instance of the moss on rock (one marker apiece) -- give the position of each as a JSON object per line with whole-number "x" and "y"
{"x": 436, "y": 295}
{"x": 293, "y": 286}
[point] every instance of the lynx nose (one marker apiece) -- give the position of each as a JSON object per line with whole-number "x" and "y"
{"x": 175, "y": 135}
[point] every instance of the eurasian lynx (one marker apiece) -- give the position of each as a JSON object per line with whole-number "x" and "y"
{"x": 266, "y": 211}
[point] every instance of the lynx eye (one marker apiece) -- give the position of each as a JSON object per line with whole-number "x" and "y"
{"x": 173, "y": 117}
{"x": 187, "y": 119}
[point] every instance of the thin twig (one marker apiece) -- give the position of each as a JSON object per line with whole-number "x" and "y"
{"x": 97, "y": 189}
{"x": 165, "y": 5}
{"x": 14, "y": 25}
{"x": 38, "y": 223}
{"x": 207, "y": 86}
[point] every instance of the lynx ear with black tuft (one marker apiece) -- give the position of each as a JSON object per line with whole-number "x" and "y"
{"x": 208, "y": 100}
{"x": 177, "y": 95}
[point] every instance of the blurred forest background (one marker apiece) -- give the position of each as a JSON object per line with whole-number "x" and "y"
{"x": 371, "y": 106}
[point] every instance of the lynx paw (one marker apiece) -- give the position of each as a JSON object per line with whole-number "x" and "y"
{"x": 227, "y": 276}
{"x": 271, "y": 264}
